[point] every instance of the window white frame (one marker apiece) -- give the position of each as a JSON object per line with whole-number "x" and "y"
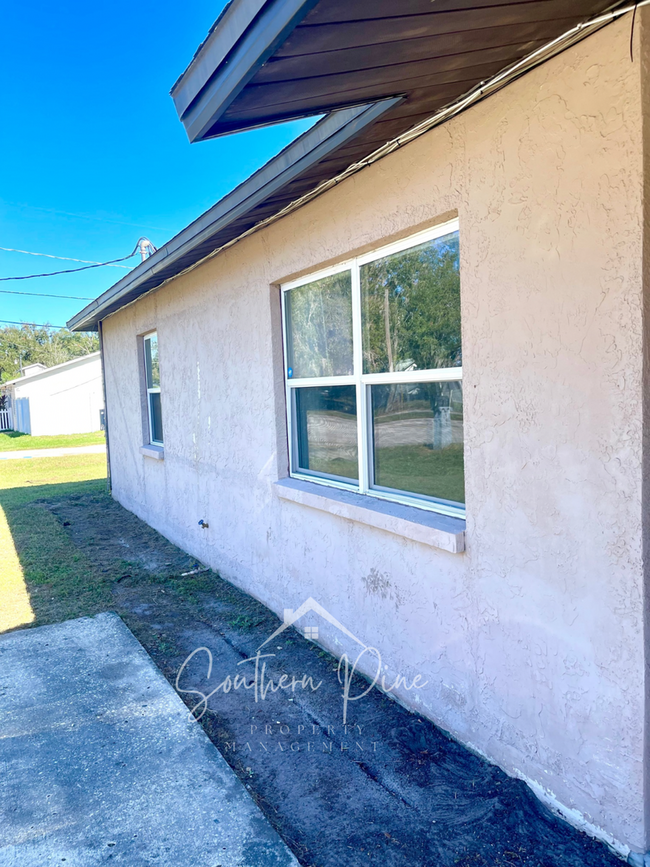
{"x": 362, "y": 381}
{"x": 150, "y": 390}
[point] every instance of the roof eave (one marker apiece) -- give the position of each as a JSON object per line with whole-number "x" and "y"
{"x": 21, "y": 380}
{"x": 330, "y": 133}
{"x": 247, "y": 35}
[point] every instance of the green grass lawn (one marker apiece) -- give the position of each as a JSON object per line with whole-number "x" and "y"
{"x": 416, "y": 470}
{"x": 37, "y": 557}
{"x": 433, "y": 472}
{"x": 66, "y": 546}
{"x": 23, "y": 481}
{"x": 14, "y": 440}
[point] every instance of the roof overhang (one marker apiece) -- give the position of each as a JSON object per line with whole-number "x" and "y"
{"x": 242, "y": 39}
{"x": 264, "y": 193}
{"x": 267, "y": 61}
{"x": 382, "y": 73}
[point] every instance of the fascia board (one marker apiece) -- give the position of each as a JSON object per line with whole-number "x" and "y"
{"x": 326, "y": 136}
{"x": 215, "y": 91}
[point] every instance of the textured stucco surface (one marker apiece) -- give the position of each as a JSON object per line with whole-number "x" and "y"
{"x": 532, "y": 640}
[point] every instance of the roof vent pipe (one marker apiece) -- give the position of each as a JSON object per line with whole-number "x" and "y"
{"x": 145, "y": 248}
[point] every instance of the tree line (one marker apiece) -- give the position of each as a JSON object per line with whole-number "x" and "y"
{"x": 25, "y": 344}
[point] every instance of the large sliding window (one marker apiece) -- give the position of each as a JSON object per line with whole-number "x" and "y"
{"x": 152, "y": 382}
{"x": 374, "y": 373}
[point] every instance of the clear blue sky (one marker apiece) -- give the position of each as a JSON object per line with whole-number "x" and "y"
{"x": 93, "y": 154}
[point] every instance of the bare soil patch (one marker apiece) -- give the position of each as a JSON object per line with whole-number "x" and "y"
{"x": 391, "y": 789}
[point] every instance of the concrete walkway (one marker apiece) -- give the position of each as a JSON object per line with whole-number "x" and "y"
{"x": 52, "y": 453}
{"x": 101, "y": 765}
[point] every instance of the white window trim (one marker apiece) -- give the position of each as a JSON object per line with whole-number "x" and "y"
{"x": 154, "y": 390}
{"x": 363, "y": 381}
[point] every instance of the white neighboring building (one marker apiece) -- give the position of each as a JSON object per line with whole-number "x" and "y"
{"x": 64, "y": 399}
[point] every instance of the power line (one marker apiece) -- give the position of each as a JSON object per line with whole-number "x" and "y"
{"x": 142, "y": 245}
{"x": 52, "y": 256}
{"x": 69, "y": 270}
{"x": 43, "y": 295}
{"x": 34, "y": 325}
{"x": 87, "y": 216}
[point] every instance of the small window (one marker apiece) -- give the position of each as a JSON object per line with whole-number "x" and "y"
{"x": 152, "y": 377}
{"x": 374, "y": 373}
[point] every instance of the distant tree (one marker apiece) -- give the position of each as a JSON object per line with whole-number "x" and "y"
{"x": 411, "y": 309}
{"x": 411, "y": 318}
{"x": 320, "y": 327}
{"x": 25, "y": 344}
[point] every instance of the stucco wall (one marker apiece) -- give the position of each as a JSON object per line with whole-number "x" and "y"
{"x": 65, "y": 401}
{"x": 532, "y": 640}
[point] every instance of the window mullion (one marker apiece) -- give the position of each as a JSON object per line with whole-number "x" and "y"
{"x": 315, "y": 381}
{"x": 293, "y": 457}
{"x": 362, "y": 414}
{"x": 150, "y": 414}
{"x": 287, "y": 388}
{"x": 441, "y": 374}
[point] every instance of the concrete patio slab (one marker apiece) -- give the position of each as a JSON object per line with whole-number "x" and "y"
{"x": 100, "y": 764}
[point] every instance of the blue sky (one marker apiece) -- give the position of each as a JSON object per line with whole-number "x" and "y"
{"x": 92, "y": 152}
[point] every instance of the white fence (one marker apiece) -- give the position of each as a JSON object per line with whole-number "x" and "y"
{"x": 5, "y": 419}
{"x": 21, "y": 414}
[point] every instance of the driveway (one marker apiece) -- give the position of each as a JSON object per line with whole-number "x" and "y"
{"x": 100, "y": 764}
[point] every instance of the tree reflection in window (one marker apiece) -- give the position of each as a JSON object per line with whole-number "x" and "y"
{"x": 319, "y": 327}
{"x": 411, "y": 309}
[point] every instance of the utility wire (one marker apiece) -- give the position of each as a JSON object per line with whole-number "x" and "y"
{"x": 33, "y": 324}
{"x": 73, "y": 270}
{"x": 43, "y": 295}
{"x": 68, "y": 270}
{"x": 85, "y": 216}
{"x": 51, "y": 256}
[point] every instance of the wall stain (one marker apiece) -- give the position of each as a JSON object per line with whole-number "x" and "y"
{"x": 378, "y": 584}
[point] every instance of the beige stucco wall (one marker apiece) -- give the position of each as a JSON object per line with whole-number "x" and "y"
{"x": 532, "y": 640}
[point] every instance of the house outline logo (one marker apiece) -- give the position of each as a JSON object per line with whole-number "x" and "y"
{"x": 309, "y": 632}
{"x": 346, "y": 669}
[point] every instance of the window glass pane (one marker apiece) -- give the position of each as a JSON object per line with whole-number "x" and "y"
{"x": 411, "y": 309}
{"x": 326, "y": 421}
{"x": 319, "y": 327}
{"x": 155, "y": 414}
{"x": 151, "y": 361}
{"x": 418, "y": 439}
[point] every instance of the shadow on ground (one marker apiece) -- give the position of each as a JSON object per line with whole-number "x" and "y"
{"x": 391, "y": 789}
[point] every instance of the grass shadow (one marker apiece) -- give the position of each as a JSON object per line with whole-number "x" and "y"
{"x": 60, "y": 581}
{"x": 80, "y": 551}
{"x": 14, "y": 434}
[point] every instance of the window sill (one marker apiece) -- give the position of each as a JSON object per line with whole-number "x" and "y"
{"x": 155, "y": 452}
{"x": 409, "y": 522}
